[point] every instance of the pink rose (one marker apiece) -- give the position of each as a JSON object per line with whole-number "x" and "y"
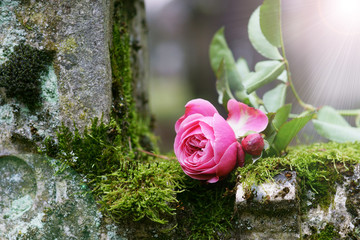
{"x": 206, "y": 145}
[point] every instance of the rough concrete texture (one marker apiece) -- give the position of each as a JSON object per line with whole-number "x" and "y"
{"x": 42, "y": 199}
{"x": 77, "y": 87}
{"x": 38, "y": 203}
{"x": 270, "y": 210}
{"x": 282, "y": 190}
{"x": 83, "y": 38}
{"x": 18, "y": 123}
{"x": 79, "y": 32}
{"x": 343, "y": 212}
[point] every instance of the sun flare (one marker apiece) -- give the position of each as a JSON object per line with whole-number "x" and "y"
{"x": 342, "y": 16}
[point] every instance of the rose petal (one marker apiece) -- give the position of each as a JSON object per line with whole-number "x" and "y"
{"x": 199, "y": 106}
{"x": 240, "y": 156}
{"x": 207, "y": 129}
{"x": 228, "y": 161}
{"x": 200, "y": 175}
{"x": 224, "y": 136}
{"x": 189, "y": 126}
{"x": 243, "y": 118}
{"x": 213, "y": 180}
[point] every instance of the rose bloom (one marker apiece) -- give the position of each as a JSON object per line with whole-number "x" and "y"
{"x": 206, "y": 145}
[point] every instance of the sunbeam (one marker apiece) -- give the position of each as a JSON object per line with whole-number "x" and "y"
{"x": 322, "y": 41}
{"x": 341, "y": 16}
{"x": 324, "y": 62}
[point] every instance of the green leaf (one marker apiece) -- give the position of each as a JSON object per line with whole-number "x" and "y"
{"x": 330, "y": 115}
{"x": 336, "y": 132}
{"x": 219, "y": 51}
{"x": 357, "y": 121}
{"x": 331, "y": 125}
{"x": 283, "y": 77}
{"x": 275, "y": 98}
{"x": 281, "y": 116}
{"x": 270, "y": 21}
{"x": 245, "y": 72}
{"x": 288, "y": 131}
{"x": 222, "y": 85}
{"x": 276, "y": 120}
{"x": 242, "y": 67}
{"x": 270, "y": 131}
{"x": 258, "y": 40}
{"x": 264, "y": 76}
{"x": 265, "y": 64}
{"x": 253, "y": 98}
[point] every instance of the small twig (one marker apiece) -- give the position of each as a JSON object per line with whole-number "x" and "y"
{"x": 157, "y": 155}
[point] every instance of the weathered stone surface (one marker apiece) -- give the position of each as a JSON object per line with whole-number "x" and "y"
{"x": 77, "y": 87}
{"x": 38, "y": 203}
{"x": 343, "y": 213}
{"x": 270, "y": 210}
{"x": 282, "y": 191}
{"x": 18, "y": 123}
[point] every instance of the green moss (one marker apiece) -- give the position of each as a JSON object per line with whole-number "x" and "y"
{"x": 127, "y": 183}
{"x": 68, "y": 45}
{"x": 91, "y": 152}
{"x": 20, "y": 74}
{"x": 124, "y": 111}
{"x": 130, "y": 185}
{"x": 352, "y": 203}
{"x": 21, "y": 21}
{"x": 205, "y": 211}
{"x": 146, "y": 189}
{"x": 351, "y": 208}
{"x": 318, "y": 167}
{"x": 328, "y": 233}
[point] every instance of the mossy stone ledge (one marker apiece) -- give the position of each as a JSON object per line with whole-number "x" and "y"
{"x": 320, "y": 203}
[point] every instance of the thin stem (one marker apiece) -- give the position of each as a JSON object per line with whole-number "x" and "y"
{"x": 156, "y": 155}
{"x": 352, "y": 112}
{"x": 293, "y": 115}
{"x": 287, "y": 68}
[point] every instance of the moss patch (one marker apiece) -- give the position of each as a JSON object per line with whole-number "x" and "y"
{"x": 318, "y": 168}
{"x": 20, "y": 74}
{"x": 68, "y": 45}
{"x": 127, "y": 183}
{"x": 328, "y": 233}
{"x": 205, "y": 211}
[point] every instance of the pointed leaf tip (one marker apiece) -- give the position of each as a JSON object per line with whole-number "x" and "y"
{"x": 270, "y": 21}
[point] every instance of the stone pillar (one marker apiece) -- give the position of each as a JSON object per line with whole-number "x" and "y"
{"x": 73, "y": 83}
{"x": 56, "y": 68}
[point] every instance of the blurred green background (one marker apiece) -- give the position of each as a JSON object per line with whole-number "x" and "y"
{"x": 323, "y": 60}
